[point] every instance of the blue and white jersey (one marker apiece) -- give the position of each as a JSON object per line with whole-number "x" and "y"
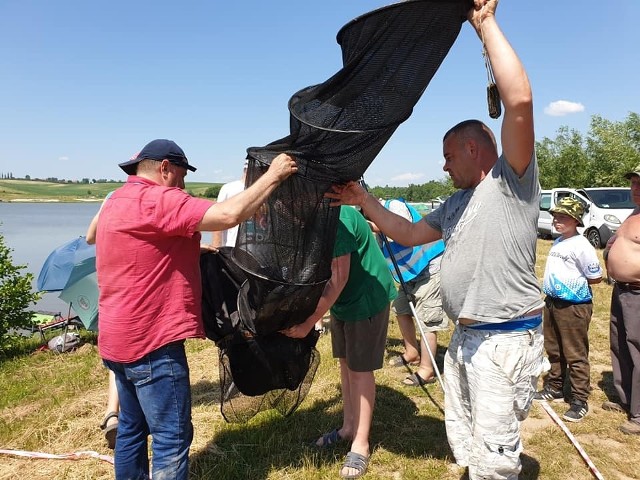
{"x": 412, "y": 261}
{"x": 570, "y": 263}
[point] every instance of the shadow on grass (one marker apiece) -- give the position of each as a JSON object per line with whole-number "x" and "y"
{"x": 530, "y": 468}
{"x": 270, "y": 442}
{"x": 205, "y": 393}
{"x": 606, "y": 385}
{"x": 396, "y": 347}
{"x": 400, "y": 427}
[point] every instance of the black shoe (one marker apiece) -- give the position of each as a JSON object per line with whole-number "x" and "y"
{"x": 577, "y": 411}
{"x": 549, "y": 395}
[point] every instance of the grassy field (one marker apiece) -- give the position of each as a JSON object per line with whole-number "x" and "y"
{"x": 54, "y": 403}
{"x": 28, "y": 190}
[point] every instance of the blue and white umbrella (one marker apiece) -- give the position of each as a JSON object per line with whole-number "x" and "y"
{"x": 71, "y": 270}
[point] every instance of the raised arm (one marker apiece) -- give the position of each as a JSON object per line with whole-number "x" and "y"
{"x": 517, "y": 135}
{"x": 393, "y": 226}
{"x": 238, "y": 208}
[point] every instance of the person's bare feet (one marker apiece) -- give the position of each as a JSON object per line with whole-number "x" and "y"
{"x": 356, "y": 462}
{"x": 425, "y": 373}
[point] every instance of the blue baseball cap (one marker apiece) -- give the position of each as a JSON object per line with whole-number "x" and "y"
{"x": 158, "y": 150}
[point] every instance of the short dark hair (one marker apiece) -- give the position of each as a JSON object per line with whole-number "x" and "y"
{"x": 475, "y": 129}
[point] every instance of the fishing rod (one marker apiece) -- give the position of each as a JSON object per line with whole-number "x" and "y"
{"x": 410, "y": 297}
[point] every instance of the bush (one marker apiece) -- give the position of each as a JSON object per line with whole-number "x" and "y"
{"x": 212, "y": 192}
{"x": 15, "y": 296}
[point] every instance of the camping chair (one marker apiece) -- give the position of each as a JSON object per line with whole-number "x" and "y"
{"x": 59, "y": 322}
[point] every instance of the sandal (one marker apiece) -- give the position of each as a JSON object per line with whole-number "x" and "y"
{"x": 110, "y": 431}
{"x": 356, "y": 461}
{"x": 400, "y": 361}
{"x": 329, "y": 439}
{"x": 415, "y": 380}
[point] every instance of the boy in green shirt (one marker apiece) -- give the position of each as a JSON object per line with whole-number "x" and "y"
{"x": 358, "y": 293}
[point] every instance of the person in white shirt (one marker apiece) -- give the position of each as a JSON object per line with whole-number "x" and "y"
{"x": 227, "y": 238}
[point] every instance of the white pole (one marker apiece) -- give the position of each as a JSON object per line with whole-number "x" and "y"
{"x": 385, "y": 241}
{"x": 567, "y": 432}
{"x": 424, "y": 339}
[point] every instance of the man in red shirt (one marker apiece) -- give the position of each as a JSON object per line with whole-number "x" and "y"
{"x": 148, "y": 246}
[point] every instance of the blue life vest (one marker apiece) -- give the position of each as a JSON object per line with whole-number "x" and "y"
{"x": 411, "y": 260}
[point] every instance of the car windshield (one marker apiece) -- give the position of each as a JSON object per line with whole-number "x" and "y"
{"x": 614, "y": 198}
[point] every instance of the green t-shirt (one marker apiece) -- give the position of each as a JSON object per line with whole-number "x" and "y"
{"x": 370, "y": 286}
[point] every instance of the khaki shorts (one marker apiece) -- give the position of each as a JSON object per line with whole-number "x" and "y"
{"x": 428, "y": 302}
{"x": 361, "y": 343}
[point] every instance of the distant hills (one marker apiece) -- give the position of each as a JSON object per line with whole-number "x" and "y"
{"x": 24, "y": 190}
{"x": 13, "y": 190}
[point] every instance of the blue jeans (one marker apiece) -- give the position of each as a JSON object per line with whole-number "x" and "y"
{"x": 155, "y": 399}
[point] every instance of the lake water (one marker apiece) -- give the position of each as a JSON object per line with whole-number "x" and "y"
{"x": 34, "y": 230}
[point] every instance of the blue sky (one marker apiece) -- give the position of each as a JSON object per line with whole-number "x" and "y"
{"x": 85, "y": 84}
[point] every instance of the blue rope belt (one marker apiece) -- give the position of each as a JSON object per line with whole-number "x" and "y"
{"x": 517, "y": 325}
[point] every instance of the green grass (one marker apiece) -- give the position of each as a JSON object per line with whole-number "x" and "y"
{"x": 54, "y": 403}
{"x": 11, "y": 190}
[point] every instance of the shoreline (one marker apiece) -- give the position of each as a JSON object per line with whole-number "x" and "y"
{"x": 49, "y": 200}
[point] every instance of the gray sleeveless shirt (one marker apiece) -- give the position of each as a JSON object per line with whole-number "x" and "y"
{"x": 488, "y": 266}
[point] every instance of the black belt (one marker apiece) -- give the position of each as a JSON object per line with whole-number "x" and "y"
{"x": 560, "y": 303}
{"x": 627, "y": 285}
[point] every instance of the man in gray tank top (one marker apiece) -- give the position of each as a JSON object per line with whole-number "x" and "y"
{"x": 488, "y": 281}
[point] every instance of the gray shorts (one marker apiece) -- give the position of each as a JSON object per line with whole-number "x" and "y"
{"x": 428, "y": 302}
{"x": 361, "y": 343}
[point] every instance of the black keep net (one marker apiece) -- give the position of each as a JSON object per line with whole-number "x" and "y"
{"x": 257, "y": 372}
{"x": 336, "y": 130}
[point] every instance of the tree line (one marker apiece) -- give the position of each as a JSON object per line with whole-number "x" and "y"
{"x": 417, "y": 193}
{"x": 598, "y": 159}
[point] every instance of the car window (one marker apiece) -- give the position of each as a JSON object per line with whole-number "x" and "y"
{"x": 545, "y": 201}
{"x": 614, "y": 198}
{"x": 582, "y": 202}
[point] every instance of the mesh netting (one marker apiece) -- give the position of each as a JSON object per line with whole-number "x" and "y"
{"x": 336, "y": 130}
{"x": 257, "y": 372}
{"x": 244, "y": 366}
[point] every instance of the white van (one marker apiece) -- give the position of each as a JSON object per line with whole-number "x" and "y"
{"x": 605, "y": 209}
{"x": 545, "y": 226}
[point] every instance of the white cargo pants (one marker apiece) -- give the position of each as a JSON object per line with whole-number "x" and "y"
{"x": 490, "y": 379}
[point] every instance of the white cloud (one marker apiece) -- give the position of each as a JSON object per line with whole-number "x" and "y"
{"x": 407, "y": 177}
{"x": 63, "y": 159}
{"x": 561, "y": 108}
